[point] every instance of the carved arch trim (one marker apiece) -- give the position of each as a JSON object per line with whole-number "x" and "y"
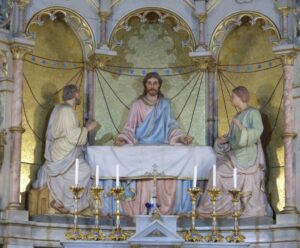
{"x": 231, "y": 22}
{"x": 75, "y": 21}
{"x": 162, "y": 14}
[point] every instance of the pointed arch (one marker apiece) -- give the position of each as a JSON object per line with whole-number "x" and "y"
{"x": 74, "y": 20}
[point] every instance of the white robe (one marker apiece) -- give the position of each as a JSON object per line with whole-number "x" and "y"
{"x": 64, "y": 139}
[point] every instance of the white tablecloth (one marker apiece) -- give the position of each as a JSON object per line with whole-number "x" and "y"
{"x": 137, "y": 161}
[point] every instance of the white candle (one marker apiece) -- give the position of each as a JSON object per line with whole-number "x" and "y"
{"x": 97, "y": 175}
{"x": 214, "y": 176}
{"x": 76, "y": 171}
{"x": 234, "y": 178}
{"x": 195, "y": 176}
{"x": 117, "y": 176}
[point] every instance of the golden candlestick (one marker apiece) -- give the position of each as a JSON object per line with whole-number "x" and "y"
{"x": 236, "y": 235}
{"x": 118, "y": 234}
{"x": 96, "y": 233}
{"x": 215, "y": 235}
{"x": 75, "y": 233}
{"x": 193, "y": 235}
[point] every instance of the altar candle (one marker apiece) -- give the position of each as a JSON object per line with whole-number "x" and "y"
{"x": 195, "y": 176}
{"x": 214, "y": 176}
{"x": 97, "y": 175}
{"x": 76, "y": 171}
{"x": 117, "y": 176}
{"x": 234, "y": 178}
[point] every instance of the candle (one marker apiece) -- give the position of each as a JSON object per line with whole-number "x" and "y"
{"x": 214, "y": 176}
{"x": 234, "y": 178}
{"x": 117, "y": 177}
{"x": 76, "y": 171}
{"x": 97, "y": 175}
{"x": 195, "y": 176}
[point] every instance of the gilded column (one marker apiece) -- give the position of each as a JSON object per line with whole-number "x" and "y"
{"x": 18, "y": 52}
{"x": 22, "y": 5}
{"x": 289, "y": 132}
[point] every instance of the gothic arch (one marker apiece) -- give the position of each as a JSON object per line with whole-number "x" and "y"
{"x": 74, "y": 20}
{"x": 162, "y": 14}
{"x": 231, "y": 22}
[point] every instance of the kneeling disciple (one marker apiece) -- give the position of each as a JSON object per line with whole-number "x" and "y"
{"x": 64, "y": 140}
{"x": 240, "y": 149}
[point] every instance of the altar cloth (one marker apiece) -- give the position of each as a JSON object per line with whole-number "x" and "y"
{"x": 137, "y": 161}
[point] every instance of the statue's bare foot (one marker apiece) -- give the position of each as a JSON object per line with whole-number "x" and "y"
{"x": 58, "y": 207}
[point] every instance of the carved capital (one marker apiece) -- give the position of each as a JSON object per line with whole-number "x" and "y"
{"x": 17, "y": 129}
{"x": 212, "y": 65}
{"x": 284, "y": 10}
{"x": 287, "y": 58}
{"x": 104, "y": 16}
{"x": 202, "y": 18}
{"x": 289, "y": 135}
{"x": 23, "y": 3}
{"x": 19, "y": 51}
{"x": 205, "y": 63}
{"x": 98, "y": 61}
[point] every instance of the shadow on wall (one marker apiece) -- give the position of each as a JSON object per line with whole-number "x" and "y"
{"x": 270, "y": 142}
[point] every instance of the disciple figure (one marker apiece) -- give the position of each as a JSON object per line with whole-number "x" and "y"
{"x": 64, "y": 140}
{"x": 240, "y": 149}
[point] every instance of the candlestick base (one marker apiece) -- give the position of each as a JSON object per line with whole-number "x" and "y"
{"x": 192, "y": 236}
{"x": 236, "y": 237}
{"x": 75, "y": 234}
{"x": 95, "y": 234}
{"x": 118, "y": 234}
{"x": 214, "y": 237}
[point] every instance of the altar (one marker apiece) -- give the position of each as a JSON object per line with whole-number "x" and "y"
{"x": 174, "y": 169}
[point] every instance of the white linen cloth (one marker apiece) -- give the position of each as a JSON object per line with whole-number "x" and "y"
{"x": 137, "y": 161}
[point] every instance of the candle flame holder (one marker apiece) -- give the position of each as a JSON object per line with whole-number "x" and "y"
{"x": 215, "y": 235}
{"x": 75, "y": 233}
{"x": 193, "y": 235}
{"x": 118, "y": 234}
{"x": 96, "y": 233}
{"x": 236, "y": 236}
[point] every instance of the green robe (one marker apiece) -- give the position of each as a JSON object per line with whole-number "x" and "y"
{"x": 243, "y": 141}
{"x": 244, "y": 152}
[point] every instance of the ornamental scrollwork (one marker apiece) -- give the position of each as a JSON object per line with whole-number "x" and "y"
{"x": 143, "y": 16}
{"x": 231, "y": 22}
{"x": 75, "y": 22}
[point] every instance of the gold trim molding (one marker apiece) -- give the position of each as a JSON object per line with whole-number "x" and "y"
{"x": 163, "y": 14}
{"x": 202, "y": 18}
{"x": 75, "y": 21}
{"x": 287, "y": 59}
{"x": 98, "y": 61}
{"x": 19, "y": 51}
{"x": 17, "y": 129}
{"x": 289, "y": 135}
{"x": 231, "y": 22}
{"x": 23, "y": 3}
